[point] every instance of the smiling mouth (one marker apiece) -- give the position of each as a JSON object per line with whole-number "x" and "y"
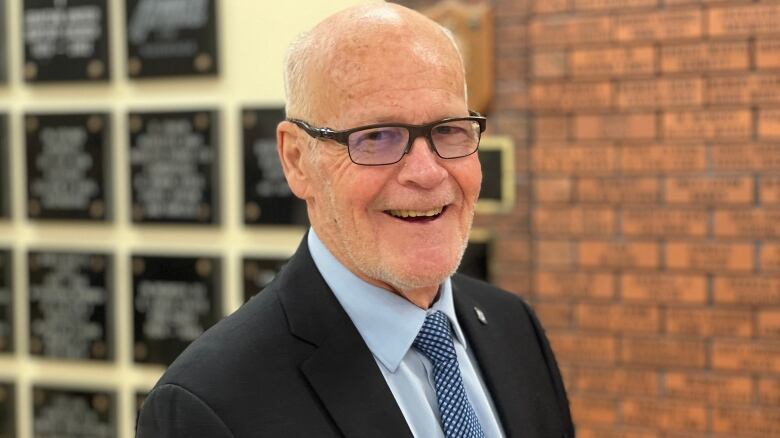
{"x": 417, "y": 215}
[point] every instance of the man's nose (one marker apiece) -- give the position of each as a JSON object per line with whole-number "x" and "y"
{"x": 421, "y": 166}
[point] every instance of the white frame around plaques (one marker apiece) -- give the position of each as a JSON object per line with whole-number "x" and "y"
{"x": 507, "y": 202}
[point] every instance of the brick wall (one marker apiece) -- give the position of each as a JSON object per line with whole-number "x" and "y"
{"x": 647, "y": 227}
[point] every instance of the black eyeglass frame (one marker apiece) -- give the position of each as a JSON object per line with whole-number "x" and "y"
{"x": 415, "y": 131}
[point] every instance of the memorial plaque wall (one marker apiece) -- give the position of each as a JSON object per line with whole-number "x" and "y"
{"x": 171, "y": 38}
{"x": 496, "y": 157}
{"x": 7, "y": 410}
{"x": 68, "y": 413}
{"x": 68, "y": 166}
{"x": 175, "y": 299}
{"x": 5, "y": 194}
{"x": 258, "y": 272}
{"x": 174, "y": 167}
{"x": 65, "y": 41}
{"x": 6, "y": 303}
{"x": 268, "y": 199}
{"x": 491, "y": 174}
{"x": 70, "y": 305}
{"x": 476, "y": 260}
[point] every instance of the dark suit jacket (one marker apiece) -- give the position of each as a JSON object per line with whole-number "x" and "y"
{"x": 290, "y": 363}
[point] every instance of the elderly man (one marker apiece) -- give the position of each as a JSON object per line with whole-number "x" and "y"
{"x": 366, "y": 332}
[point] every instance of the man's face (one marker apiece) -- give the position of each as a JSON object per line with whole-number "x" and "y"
{"x": 358, "y": 210}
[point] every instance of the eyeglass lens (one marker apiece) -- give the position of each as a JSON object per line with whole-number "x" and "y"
{"x": 386, "y": 144}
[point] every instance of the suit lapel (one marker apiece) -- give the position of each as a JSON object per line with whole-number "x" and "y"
{"x": 341, "y": 370}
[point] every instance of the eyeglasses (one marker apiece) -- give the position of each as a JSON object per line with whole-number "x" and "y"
{"x": 387, "y": 143}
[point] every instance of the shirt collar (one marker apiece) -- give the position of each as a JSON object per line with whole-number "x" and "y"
{"x": 387, "y": 322}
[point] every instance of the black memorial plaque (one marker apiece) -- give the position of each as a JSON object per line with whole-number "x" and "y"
{"x": 65, "y": 40}
{"x": 492, "y": 174}
{"x": 175, "y": 299}
{"x": 476, "y": 260}
{"x": 68, "y": 166}
{"x": 171, "y": 38}
{"x": 268, "y": 199}
{"x": 69, "y": 413}
{"x": 6, "y": 303}
{"x": 7, "y": 410}
{"x": 5, "y": 194}
{"x": 258, "y": 272}
{"x": 70, "y": 305}
{"x": 174, "y": 167}
{"x": 3, "y": 48}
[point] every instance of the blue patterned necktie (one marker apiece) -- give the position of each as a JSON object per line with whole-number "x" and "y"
{"x": 458, "y": 418}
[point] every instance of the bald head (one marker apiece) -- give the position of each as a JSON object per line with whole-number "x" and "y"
{"x": 344, "y": 53}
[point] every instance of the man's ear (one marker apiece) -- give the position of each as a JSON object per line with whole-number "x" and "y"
{"x": 290, "y": 146}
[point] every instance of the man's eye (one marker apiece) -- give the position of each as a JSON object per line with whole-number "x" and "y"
{"x": 379, "y": 135}
{"x": 448, "y": 130}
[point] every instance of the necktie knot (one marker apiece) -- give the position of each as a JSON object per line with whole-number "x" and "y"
{"x": 435, "y": 339}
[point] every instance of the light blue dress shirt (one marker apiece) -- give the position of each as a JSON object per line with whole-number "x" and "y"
{"x": 389, "y": 324}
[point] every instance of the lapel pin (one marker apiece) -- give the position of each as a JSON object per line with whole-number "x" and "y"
{"x": 480, "y": 315}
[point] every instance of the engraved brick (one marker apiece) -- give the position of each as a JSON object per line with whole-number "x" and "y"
{"x": 618, "y": 190}
{"x": 769, "y": 189}
{"x": 709, "y": 387}
{"x": 617, "y": 317}
{"x": 667, "y": 415}
{"x": 769, "y": 124}
{"x": 705, "y": 56}
{"x": 746, "y": 422}
{"x": 548, "y": 64}
{"x": 554, "y": 315}
{"x": 562, "y": 30}
{"x": 747, "y": 290}
{"x": 663, "y": 159}
{"x": 553, "y": 253}
{"x": 744, "y": 20}
{"x": 600, "y": 5}
{"x": 769, "y": 392}
{"x": 664, "y": 352}
{"x": 615, "y": 126}
{"x": 769, "y": 323}
{"x": 709, "y": 322}
{"x": 664, "y": 223}
{"x": 573, "y": 159}
{"x": 710, "y": 257}
{"x": 655, "y": 93}
{"x": 550, "y": 6}
{"x": 712, "y": 124}
{"x": 770, "y": 257}
{"x": 571, "y": 95}
{"x": 583, "y": 348}
{"x": 574, "y": 221}
{"x": 661, "y": 25}
{"x": 760, "y": 357}
{"x": 744, "y": 89}
{"x": 615, "y": 381}
{"x": 552, "y": 190}
{"x": 613, "y": 61}
{"x": 601, "y": 254}
{"x": 768, "y": 53}
{"x": 551, "y": 127}
{"x": 663, "y": 288}
{"x": 593, "y": 410}
{"x": 709, "y": 190}
{"x": 759, "y": 223}
{"x": 574, "y": 285}
{"x": 589, "y": 431}
{"x": 745, "y": 157}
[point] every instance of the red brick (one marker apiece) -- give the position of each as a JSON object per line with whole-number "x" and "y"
{"x": 743, "y": 89}
{"x": 709, "y": 190}
{"x": 709, "y": 387}
{"x": 554, "y": 253}
{"x": 552, "y": 190}
{"x": 767, "y": 53}
{"x": 583, "y": 348}
{"x": 551, "y": 127}
{"x": 710, "y": 256}
{"x": 667, "y": 415}
{"x": 747, "y": 422}
{"x": 550, "y": 6}
{"x": 760, "y": 357}
{"x": 618, "y": 190}
{"x": 769, "y": 392}
{"x": 593, "y": 410}
{"x": 664, "y": 352}
{"x": 709, "y": 322}
{"x": 720, "y": 124}
{"x": 588, "y": 431}
{"x": 769, "y": 257}
{"x": 576, "y": 221}
{"x": 769, "y": 323}
{"x": 663, "y": 287}
{"x": 758, "y": 223}
{"x": 661, "y": 25}
{"x": 664, "y": 159}
{"x": 562, "y": 30}
{"x": 749, "y": 20}
{"x": 664, "y": 223}
{"x": 705, "y": 56}
{"x": 613, "y": 61}
{"x": 769, "y": 124}
{"x": 750, "y": 157}
{"x": 603, "y": 254}
{"x": 656, "y": 93}
{"x": 573, "y": 159}
{"x": 769, "y": 189}
{"x": 615, "y": 126}
{"x": 614, "y": 381}
{"x": 571, "y": 95}
{"x": 548, "y": 64}
{"x": 574, "y": 285}
{"x": 600, "y": 5}
{"x": 554, "y": 315}
{"x": 618, "y": 317}
{"x": 747, "y": 290}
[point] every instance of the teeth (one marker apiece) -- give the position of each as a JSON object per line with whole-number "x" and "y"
{"x": 416, "y": 213}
